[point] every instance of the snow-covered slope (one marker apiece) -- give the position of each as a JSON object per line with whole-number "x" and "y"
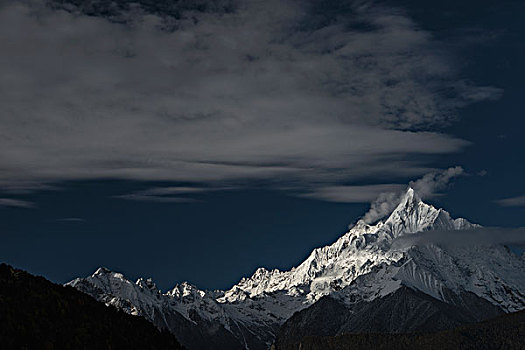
{"x": 363, "y": 264}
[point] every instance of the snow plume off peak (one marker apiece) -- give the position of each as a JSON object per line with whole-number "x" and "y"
{"x": 385, "y": 203}
{"x": 434, "y": 182}
{"x": 425, "y": 187}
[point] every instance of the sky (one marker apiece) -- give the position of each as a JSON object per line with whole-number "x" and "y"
{"x": 199, "y": 140}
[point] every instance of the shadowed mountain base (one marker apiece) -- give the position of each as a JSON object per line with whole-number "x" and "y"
{"x": 403, "y": 311}
{"x": 503, "y": 332}
{"x": 38, "y": 314}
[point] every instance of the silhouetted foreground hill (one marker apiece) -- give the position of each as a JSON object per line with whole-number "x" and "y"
{"x": 503, "y": 332}
{"x": 38, "y": 314}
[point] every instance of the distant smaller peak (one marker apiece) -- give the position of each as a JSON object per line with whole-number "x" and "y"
{"x": 146, "y": 283}
{"x": 185, "y": 289}
{"x": 260, "y": 271}
{"x": 102, "y": 271}
{"x": 185, "y": 286}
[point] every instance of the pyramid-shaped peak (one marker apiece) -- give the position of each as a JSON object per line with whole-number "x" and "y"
{"x": 412, "y": 215}
{"x": 411, "y": 196}
{"x": 409, "y": 200}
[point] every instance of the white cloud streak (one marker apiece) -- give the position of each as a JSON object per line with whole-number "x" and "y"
{"x": 518, "y": 201}
{"x": 170, "y": 194}
{"x": 10, "y": 202}
{"x": 156, "y": 199}
{"x": 71, "y": 220}
{"x": 352, "y": 194}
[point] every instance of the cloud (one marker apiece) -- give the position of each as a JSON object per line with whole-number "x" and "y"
{"x": 70, "y": 220}
{"x": 170, "y": 194}
{"x": 352, "y": 194}
{"x": 430, "y": 184}
{"x": 427, "y": 186}
{"x": 518, "y": 201}
{"x": 10, "y": 202}
{"x": 382, "y": 206}
{"x": 157, "y": 199}
{"x": 272, "y": 91}
{"x": 478, "y": 236}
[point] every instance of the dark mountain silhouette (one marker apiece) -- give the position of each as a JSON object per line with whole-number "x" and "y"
{"x": 503, "y": 332}
{"x": 38, "y": 314}
{"x": 405, "y": 310}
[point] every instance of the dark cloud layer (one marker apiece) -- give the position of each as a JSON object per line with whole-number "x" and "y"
{"x": 279, "y": 91}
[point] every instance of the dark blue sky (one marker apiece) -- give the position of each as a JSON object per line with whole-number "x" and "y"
{"x": 85, "y": 220}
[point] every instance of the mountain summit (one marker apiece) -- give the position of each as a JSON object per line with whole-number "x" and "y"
{"x": 361, "y": 268}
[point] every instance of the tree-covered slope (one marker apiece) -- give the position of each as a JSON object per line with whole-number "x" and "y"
{"x": 38, "y": 314}
{"x": 503, "y": 332}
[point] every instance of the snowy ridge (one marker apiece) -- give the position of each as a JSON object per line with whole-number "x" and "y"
{"x": 333, "y": 267}
{"x": 360, "y": 265}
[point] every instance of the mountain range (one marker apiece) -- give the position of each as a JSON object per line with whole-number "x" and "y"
{"x": 374, "y": 278}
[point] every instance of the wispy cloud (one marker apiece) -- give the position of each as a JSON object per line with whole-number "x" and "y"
{"x": 10, "y": 202}
{"x": 170, "y": 194}
{"x": 71, "y": 219}
{"x": 278, "y": 91}
{"x": 157, "y": 199}
{"x": 518, "y": 201}
{"x": 352, "y": 194}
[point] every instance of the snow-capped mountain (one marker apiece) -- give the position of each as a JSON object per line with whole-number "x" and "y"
{"x": 361, "y": 266}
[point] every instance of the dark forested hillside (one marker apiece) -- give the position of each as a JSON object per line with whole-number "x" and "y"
{"x": 38, "y": 314}
{"x": 503, "y": 332}
{"x": 404, "y": 311}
